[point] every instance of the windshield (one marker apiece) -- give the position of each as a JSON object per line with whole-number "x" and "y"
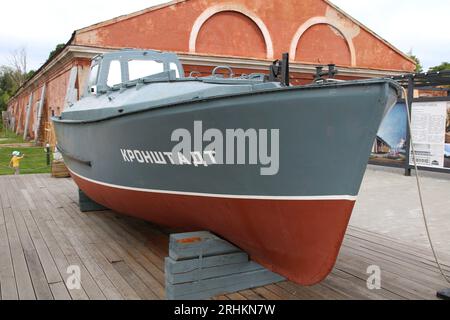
{"x": 93, "y": 75}
{"x": 143, "y": 68}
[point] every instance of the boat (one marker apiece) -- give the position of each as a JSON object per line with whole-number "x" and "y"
{"x": 274, "y": 169}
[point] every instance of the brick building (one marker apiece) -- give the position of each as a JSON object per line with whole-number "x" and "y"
{"x": 244, "y": 34}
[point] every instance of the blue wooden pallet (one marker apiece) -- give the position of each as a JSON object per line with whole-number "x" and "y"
{"x": 201, "y": 265}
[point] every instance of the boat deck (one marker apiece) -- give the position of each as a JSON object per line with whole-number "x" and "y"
{"x": 42, "y": 233}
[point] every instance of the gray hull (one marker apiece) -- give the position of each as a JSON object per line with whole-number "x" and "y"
{"x": 325, "y": 139}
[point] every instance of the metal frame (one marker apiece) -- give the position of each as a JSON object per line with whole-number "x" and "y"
{"x": 425, "y": 81}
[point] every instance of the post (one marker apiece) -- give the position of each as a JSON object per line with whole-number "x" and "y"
{"x": 47, "y": 151}
{"x": 410, "y": 99}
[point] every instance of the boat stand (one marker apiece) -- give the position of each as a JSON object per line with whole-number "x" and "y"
{"x": 201, "y": 266}
{"x": 444, "y": 294}
{"x": 88, "y": 205}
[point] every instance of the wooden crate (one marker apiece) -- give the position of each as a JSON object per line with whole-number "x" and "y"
{"x": 59, "y": 170}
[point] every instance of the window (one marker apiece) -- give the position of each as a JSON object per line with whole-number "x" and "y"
{"x": 143, "y": 68}
{"x": 114, "y": 73}
{"x": 93, "y": 76}
{"x": 173, "y": 66}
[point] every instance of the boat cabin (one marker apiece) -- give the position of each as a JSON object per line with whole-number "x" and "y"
{"x": 111, "y": 71}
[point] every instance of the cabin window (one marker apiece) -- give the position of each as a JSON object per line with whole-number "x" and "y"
{"x": 114, "y": 73}
{"x": 173, "y": 66}
{"x": 143, "y": 68}
{"x": 93, "y": 75}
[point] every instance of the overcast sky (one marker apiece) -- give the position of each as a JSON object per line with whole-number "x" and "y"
{"x": 417, "y": 25}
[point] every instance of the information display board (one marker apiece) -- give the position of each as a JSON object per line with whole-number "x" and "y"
{"x": 430, "y": 129}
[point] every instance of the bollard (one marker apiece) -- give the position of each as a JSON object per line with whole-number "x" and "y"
{"x": 47, "y": 151}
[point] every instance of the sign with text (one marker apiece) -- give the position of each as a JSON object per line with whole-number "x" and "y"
{"x": 430, "y": 130}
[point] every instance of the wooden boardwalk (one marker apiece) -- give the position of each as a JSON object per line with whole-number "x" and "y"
{"x": 42, "y": 233}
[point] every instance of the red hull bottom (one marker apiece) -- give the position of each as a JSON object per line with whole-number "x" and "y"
{"x": 297, "y": 239}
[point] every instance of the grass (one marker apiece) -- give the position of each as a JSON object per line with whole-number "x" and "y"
{"x": 35, "y": 160}
{"x": 9, "y": 137}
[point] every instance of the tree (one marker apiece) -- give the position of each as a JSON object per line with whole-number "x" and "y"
{"x": 419, "y": 67}
{"x": 8, "y": 85}
{"x": 442, "y": 67}
{"x": 18, "y": 61}
{"x": 55, "y": 51}
{"x": 13, "y": 76}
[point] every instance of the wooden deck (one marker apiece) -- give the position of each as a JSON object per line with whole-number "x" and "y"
{"x": 42, "y": 233}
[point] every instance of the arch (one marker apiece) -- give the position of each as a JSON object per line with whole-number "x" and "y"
{"x": 322, "y": 20}
{"x": 208, "y": 13}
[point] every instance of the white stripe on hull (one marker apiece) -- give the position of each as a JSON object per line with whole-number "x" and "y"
{"x": 224, "y": 196}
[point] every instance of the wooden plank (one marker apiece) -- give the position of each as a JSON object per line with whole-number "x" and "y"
{"x": 7, "y": 278}
{"x": 135, "y": 246}
{"x": 89, "y": 285}
{"x": 157, "y": 240}
{"x": 57, "y": 231}
{"x": 134, "y": 281}
{"x": 40, "y": 284}
{"x": 59, "y": 170}
{"x": 190, "y": 245}
{"x": 207, "y": 262}
{"x": 415, "y": 256}
{"x": 90, "y": 263}
{"x": 236, "y": 296}
{"x": 59, "y": 291}
{"x": 23, "y": 280}
{"x": 201, "y": 274}
{"x": 142, "y": 267}
{"x": 296, "y": 292}
{"x": 389, "y": 242}
{"x": 131, "y": 263}
{"x": 117, "y": 280}
{"x": 251, "y": 295}
{"x": 267, "y": 294}
{"x": 111, "y": 283}
{"x": 222, "y": 285}
{"x": 283, "y": 294}
{"x": 356, "y": 288}
{"x": 419, "y": 273}
{"x": 392, "y": 281}
{"x": 47, "y": 262}
{"x": 91, "y": 233}
{"x": 60, "y": 259}
{"x": 62, "y": 253}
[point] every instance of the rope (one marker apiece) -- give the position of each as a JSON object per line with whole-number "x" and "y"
{"x": 419, "y": 188}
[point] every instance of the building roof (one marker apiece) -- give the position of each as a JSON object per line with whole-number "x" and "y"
{"x": 125, "y": 17}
